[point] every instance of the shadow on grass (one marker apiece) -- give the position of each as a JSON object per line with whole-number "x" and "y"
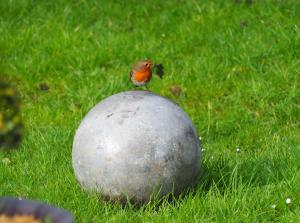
{"x": 225, "y": 175}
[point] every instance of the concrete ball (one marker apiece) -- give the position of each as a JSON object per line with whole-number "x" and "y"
{"x": 134, "y": 144}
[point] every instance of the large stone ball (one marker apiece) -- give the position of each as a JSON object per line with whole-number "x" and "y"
{"x": 135, "y": 144}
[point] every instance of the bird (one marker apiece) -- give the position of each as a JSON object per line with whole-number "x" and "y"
{"x": 141, "y": 72}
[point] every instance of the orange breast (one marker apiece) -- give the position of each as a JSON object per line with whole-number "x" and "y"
{"x": 142, "y": 76}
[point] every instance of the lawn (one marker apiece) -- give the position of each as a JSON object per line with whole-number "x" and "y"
{"x": 237, "y": 62}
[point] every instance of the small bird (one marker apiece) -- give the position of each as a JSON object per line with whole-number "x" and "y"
{"x": 141, "y": 72}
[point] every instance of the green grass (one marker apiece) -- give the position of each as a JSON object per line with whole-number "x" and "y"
{"x": 237, "y": 63}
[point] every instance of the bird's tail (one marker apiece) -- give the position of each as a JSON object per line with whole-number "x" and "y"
{"x": 159, "y": 70}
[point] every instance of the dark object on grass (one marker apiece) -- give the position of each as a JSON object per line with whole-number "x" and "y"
{"x": 14, "y": 210}
{"x": 176, "y": 90}
{"x": 243, "y": 24}
{"x": 159, "y": 70}
{"x": 44, "y": 87}
{"x": 249, "y": 2}
{"x": 10, "y": 118}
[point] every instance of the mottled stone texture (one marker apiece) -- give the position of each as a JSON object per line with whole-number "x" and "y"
{"x": 134, "y": 144}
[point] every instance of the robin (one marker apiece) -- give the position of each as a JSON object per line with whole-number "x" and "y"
{"x": 141, "y": 72}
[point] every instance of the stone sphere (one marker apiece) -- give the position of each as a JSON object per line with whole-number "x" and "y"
{"x": 134, "y": 145}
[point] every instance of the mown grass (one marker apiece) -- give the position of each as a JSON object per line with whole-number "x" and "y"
{"x": 236, "y": 61}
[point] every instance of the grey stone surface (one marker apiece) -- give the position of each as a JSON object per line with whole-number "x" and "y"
{"x": 134, "y": 144}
